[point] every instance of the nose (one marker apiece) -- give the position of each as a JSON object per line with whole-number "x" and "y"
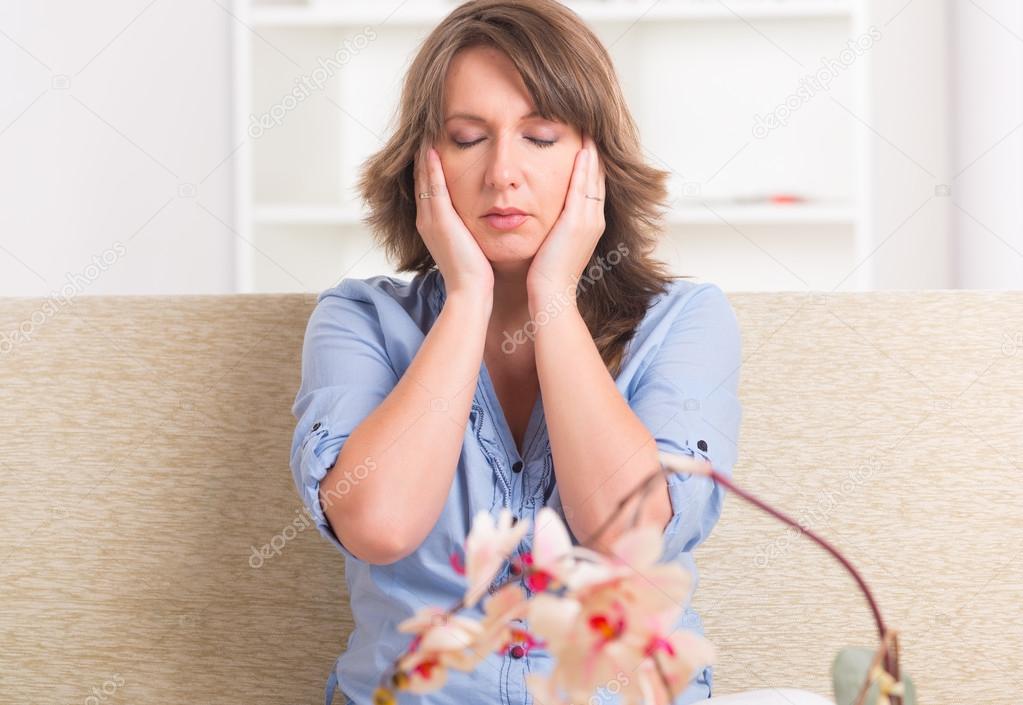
{"x": 503, "y": 167}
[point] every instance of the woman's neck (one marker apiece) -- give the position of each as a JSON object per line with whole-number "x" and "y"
{"x": 510, "y": 311}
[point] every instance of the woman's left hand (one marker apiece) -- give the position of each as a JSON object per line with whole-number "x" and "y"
{"x": 565, "y": 252}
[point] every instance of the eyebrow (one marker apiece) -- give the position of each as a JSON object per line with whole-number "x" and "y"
{"x": 477, "y": 118}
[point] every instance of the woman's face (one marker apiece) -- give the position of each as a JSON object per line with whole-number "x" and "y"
{"x": 496, "y": 156}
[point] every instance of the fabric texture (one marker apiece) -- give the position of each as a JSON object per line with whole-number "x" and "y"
{"x": 771, "y": 696}
{"x": 155, "y": 537}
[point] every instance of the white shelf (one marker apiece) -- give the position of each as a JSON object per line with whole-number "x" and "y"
{"x": 430, "y": 12}
{"x": 725, "y": 214}
{"x": 696, "y": 76}
{"x": 306, "y": 215}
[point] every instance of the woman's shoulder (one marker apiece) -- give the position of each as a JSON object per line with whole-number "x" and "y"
{"x": 689, "y": 297}
{"x": 385, "y": 299}
{"x": 370, "y": 289}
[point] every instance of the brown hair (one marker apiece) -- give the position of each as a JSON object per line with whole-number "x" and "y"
{"x": 571, "y": 78}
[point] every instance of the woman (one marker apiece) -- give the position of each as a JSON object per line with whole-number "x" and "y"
{"x": 539, "y": 357}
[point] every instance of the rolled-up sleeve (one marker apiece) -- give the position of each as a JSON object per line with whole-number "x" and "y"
{"x": 688, "y": 399}
{"x": 345, "y": 375}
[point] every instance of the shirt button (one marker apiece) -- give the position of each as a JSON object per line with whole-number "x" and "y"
{"x": 517, "y": 651}
{"x": 702, "y": 445}
{"x": 517, "y": 467}
{"x": 316, "y": 426}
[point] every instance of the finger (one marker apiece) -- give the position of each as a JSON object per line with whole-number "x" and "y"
{"x": 596, "y": 175}
{"x": 577, "y": 188}
{"x": 591, "y": 169}
{"x": 426, "y": 185}
{"x": 427, "y": 172}
{"x": 586, "y": 176}
{"x": 418, "y": 172}
{"x": 438, "y": 186}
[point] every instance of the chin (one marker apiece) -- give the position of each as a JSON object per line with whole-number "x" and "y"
{"x": 512, "y": 258}
{"x": 509, "y": 255}
{"x": 508, "y": 247}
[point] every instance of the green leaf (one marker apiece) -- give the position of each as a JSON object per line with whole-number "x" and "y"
{"x": 849, "y": 671}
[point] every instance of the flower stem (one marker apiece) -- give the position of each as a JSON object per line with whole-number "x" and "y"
{"x": 891, "y": 661}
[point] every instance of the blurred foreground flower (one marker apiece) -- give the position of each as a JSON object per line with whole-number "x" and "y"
{"x": 486, "y": 550}
{"x": 440, "y": 642}
{"x": 599, "y": 615}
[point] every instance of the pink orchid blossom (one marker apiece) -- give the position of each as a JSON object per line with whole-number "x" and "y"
{"x": 608, "y": 619}
{"x": 554, "y": 559}
{"x": 487, "y": 548}
{"x": 441, "y": 641}
{"x": 618, "y": 617}
{"x": 497, "y": 629}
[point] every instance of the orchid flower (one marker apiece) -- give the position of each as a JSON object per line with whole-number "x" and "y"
{"x": 441, "y": 641}
{"x": 487, "y": 548}
{"x": 606, "y": 618}
{"x": 553, "y": 560}
{"x": 504, "y": 607}
{"x": 617, "y": 617}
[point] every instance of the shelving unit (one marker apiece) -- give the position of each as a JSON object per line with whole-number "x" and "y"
{"x": 318, "y": 14}
{"x": 696, "y": 73}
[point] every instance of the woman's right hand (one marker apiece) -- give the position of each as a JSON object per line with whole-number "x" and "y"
{"x": 458, "y": 256}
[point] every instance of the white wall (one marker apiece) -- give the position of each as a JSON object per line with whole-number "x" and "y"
{"x": 908, "y": 132}
{"x": 127, "y": 162}
{"x": 116, "y": 145}
{"x": 987, "y": 184}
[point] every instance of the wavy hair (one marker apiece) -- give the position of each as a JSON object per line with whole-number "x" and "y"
{"x": 571, "y": 78}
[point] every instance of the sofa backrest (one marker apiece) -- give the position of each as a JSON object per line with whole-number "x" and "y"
{"x": 145, "y": 459}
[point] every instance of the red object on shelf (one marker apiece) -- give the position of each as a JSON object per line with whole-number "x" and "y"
{"x": 786, "y": 198}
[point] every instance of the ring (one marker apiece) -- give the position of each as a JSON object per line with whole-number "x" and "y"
{"x": 425, "y": 194}
{"x": 594, "y": 197}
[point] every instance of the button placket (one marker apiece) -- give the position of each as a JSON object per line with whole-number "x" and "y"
{"x": 539, "y": 491}
{"x": 517, "y": 667}
{"x": 478, "y": 417}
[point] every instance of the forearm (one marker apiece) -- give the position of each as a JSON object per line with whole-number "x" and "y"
{"x": 412, "y": 440}
{"x": 601, "y": 449}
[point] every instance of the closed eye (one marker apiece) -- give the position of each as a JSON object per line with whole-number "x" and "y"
{"x": 539, "y": 143}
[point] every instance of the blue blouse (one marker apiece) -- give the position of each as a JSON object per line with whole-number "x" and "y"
{"x": 680, "y": 375}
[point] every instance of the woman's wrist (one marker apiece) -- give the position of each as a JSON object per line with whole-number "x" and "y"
{"x": 472, "y": 304}
{"x": 551, "y": 299}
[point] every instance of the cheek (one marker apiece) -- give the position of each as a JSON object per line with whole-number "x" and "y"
{"x": 460, "y": 190}
{"x": 555, "y": 189}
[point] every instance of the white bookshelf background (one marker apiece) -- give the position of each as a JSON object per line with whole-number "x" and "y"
{"x": 789, "y": 211}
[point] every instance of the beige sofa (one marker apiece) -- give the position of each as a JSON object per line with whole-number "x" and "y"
{"x": 145, "y": 457}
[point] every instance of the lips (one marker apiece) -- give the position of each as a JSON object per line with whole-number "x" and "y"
{"x": 505, "y": 222}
